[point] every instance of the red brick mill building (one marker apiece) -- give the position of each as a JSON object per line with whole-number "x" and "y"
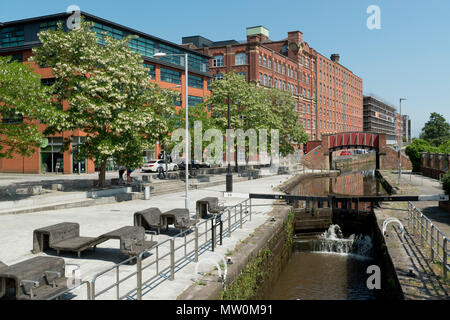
{"x": 17, "y": 38}
{"x": 330, "y": 96}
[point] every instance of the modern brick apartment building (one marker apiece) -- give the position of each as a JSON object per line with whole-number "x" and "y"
{"x": 17, "y": 38}
{"x": 329, "y": 95}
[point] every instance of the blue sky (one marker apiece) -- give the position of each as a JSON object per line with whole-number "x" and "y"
{"x": 408, "y": 57}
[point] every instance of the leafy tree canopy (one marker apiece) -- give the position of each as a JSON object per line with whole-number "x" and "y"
{"x": 436, "y": 131}
{"x": 107, "y": 93}
{"x": 23, "y": 98}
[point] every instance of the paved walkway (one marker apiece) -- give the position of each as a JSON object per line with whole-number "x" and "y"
{"x": 16, "y": 233}
{"x": 408, "y": 252}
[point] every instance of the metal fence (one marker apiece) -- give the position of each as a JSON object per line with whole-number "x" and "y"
{"x": 431, "y": 235}
{"x": 162, "y": 261}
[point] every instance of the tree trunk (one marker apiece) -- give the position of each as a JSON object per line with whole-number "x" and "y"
{"x": 102, "y": 174}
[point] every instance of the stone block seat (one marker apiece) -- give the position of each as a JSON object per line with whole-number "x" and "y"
{"x": 208, "y": 205}
{"x": 179, "y": 218}
{"x": 154, "y": 218}
{"x": 38, "y": 278}
{"x": 149, "y": 219}
{"x": 66, "y": 237}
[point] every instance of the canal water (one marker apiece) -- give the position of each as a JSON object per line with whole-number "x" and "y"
{"x": 330, "y": 265}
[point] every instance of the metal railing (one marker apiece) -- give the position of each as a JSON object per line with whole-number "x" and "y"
{"x": 431, "y": 235}
{"x": 71, "y": 289}
{"x": 162, "y": 261}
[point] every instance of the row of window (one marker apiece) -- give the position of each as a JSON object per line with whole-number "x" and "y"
{"x": 239, "y": 59}
{"x": 266, "y": 80}
{"x": 14, "y": 36}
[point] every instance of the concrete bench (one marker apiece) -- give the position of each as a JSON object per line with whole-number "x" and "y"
{"x": 149, "y": 219}
{"x": 179, "y": 218}
{"x": 66, "y": 237}
{"x": 38, "y": 278}
{"x": 208, "y": 205}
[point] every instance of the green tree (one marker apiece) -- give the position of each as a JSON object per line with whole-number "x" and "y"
{"x": 436, "y": 131}
{"x": 109, "y": 95}
{"x": 283, "y": 117}
{"x": 415, "y": 149}
{"x": 22, "y": 99}
{"x": 253, "y": 107}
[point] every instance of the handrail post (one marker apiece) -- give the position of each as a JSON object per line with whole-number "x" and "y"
{"x": 444, "y": 258}
{"x": 196, "y": 243}
{"x": 421, "y": 230}
{"x": 93, "y": 289}
{"x": 172, "y": 259}
{"x": 431, "y": 243}
{"x": 117, "y": 283}
{"x": 213, "y": 235}
{"x": 89, "y": 292}
{"x": 240, "y": 214}
{"x": 139, "y": 277}
{"x": 229, "y": 223}
{"x": 250, "y": 210}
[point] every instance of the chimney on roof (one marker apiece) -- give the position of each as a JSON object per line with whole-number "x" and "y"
{"x": 258, "y": 34}
{"x": 335, "y": 57}
{"x": 295, "y": 37}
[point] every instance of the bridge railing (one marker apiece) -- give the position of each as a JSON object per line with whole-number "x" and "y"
{"x": 431, "y": 235}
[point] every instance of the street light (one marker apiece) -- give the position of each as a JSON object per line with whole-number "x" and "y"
{"x": 186, "y": 106}
{"x": 400, "y": 142}
{"x": 229, "y": 176}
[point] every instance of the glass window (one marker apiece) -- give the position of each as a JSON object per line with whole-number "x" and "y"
{"x": 12, "y": 37}
{"x": 195, "y": 82}
{"x": 240, "y": 59}
{"x": 270, "y": 64}
{"x": 172, "y": 76}
{"x": 260, "y": 78}
{"x": 218, "y": 76}
{"x": 244, "y": 74}
{"x": 270, "y": 81}
{"x": 218, "y": 61}
{"x": 265, "y": 80}
{"x": 143, "y": 46}
{"x": 101, "y": 29}
{"x": 151, "y": 70}
{"x": 50, "y": 25}
{"x": 193, "y": 101}
{"x": 264, "y": 61}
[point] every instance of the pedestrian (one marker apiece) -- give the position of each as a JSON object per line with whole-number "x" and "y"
{"x": 129, "y": 172}
{"x": 161, "y": 173}
{"x": 121, "y": 172}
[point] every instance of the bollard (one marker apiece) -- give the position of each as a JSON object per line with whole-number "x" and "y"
{"x": 172, "y": 259}
{"x": 147, "y": 193}
{"x": 196, "y": 243}
{"x": 139, "y": 278}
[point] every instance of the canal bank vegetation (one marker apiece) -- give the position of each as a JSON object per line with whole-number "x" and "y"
{"x": 256, "y": 278}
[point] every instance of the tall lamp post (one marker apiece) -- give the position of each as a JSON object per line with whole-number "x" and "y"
{"x": 186, "y": 107}
{"x": 229, "y": 177}
{"x": 400, "y": 142}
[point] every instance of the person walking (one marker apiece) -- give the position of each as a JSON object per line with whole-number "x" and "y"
{"x": 129, "y": 172}
{"x": 121, "y": 172}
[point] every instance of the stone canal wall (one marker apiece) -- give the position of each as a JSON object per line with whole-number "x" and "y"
{"x": 257, "y": 262}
